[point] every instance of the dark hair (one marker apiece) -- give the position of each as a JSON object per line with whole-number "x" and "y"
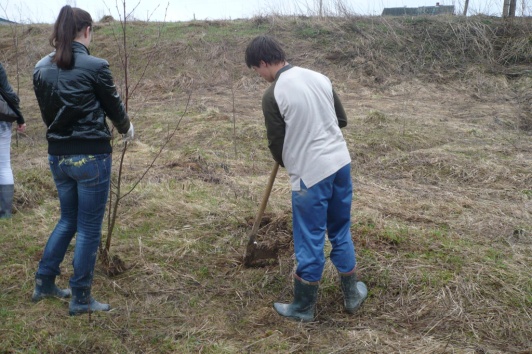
{"x": 264, "y": 48}
{"x": 67, "y": 26}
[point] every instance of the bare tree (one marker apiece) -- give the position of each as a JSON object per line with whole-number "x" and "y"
{"x": 113, "y": 264}
{"x": 115, "y": 195}
{"x": 513, "y": 5}
{"x": 508, "y": 8}
{"x": 505, "y": 8}
{"x": 466, "y": 6}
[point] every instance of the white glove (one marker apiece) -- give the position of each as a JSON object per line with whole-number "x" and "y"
{"x": 130, "y": 133}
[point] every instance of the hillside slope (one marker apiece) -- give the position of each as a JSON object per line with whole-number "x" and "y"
{"x": 440, "y": 124}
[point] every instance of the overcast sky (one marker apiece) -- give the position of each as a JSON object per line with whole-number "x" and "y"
{"x": 28, "y": 11}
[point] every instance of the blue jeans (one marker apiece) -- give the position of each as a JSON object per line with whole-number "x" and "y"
{"x": 82, "y": 183}
{"x": 326, "y": 206}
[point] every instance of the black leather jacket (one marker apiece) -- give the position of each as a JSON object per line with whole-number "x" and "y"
{"x": 9, "y": 95}
{"x": 75, "y": 102}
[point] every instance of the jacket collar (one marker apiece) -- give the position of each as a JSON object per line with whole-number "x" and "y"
{"x": 77, "y": 47}
{"x": 282, "y": 70}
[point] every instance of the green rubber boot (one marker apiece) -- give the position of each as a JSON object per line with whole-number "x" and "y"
{"x": 45, "y": 287}
{"x": 305, "y": 297}
{"x": 355, "y": 292}
{"x": 83, "y": 302}
{"x": 6, "y": 200}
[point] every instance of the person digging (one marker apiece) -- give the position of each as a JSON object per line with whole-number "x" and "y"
{"x": 303, "y": 116}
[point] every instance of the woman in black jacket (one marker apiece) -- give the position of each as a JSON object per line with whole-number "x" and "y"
{"x": 7, "y": 182}
{"x": 76, "y": 92}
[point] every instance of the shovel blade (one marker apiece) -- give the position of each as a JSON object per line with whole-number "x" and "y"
{"x": 260, "y": 255}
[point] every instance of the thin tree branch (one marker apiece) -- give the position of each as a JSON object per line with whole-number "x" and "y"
{"x": 160, "y": 150}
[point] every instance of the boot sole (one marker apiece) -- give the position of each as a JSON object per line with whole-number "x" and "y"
{"x": 77, "y": 313}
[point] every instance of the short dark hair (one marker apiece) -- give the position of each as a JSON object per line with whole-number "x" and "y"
{"x": 264, "y": 48}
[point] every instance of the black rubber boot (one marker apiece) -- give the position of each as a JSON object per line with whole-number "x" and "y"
{"x": 355, "y": 292}
{"x": 305, "y": 297}
{"x": 6, "y": 200}
{"x": 83, "y": 302}
{"x": 45, "y": 287}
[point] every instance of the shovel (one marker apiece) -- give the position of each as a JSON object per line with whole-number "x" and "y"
{"x": 254, "y": 252}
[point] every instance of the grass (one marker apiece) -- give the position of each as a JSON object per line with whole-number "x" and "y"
{"x": 441, "y": 215}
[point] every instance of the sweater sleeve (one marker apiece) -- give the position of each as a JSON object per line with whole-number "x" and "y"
{"x": 339, "y": 109}
{"x": 275, "y": 125}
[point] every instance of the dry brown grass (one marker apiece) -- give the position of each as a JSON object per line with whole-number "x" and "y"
{"x": 441, "y": 221}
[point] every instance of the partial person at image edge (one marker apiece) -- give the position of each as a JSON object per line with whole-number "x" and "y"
{"x": 7, "y": 181}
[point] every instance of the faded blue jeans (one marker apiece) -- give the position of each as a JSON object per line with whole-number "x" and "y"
{"x": 326, "y": 206}
{"x": 82, "y": 183}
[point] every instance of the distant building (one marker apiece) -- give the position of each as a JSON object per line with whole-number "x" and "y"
{"x": 3, "y": 21}
{"x": 415, "y": 11}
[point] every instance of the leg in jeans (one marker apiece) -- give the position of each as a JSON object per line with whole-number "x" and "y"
{"x": 64, "y": 231}
{"x": 339, "y": 221}
{"x": 93, "y": 177}
{"x": 309, "y": 214}
{"x": 343, "y": 251}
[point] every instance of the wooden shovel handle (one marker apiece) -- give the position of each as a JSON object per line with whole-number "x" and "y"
{"x": 264, "y": 202}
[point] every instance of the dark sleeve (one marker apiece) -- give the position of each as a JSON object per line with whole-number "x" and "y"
{"x": 9, "y": 95}
{"x": 340, "y": 112}
{"x": 110, "y": 99}
{"x": 275, "y": 126}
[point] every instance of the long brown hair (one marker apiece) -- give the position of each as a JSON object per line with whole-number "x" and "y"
{"x": 67, "y": 26}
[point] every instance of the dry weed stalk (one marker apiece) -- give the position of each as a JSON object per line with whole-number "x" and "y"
{"x": 114, "y": 262}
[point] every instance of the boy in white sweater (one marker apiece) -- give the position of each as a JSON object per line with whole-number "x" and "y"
{"x": 303, "y": 117}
